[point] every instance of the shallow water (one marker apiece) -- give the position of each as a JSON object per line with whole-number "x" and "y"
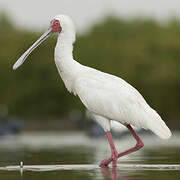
{"x": 51, "y": 156}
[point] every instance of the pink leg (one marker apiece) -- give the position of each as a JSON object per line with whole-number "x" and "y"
{"x": 138, "y": 145}
{"x": 114, "y": 156}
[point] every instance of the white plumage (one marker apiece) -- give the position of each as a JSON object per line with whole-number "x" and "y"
{"x": 106, "y": 96}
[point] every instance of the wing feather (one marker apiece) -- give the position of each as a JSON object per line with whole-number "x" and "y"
{"x": 112, "y": 97}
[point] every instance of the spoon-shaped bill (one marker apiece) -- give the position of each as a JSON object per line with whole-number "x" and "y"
{"x": 21, "y": 60}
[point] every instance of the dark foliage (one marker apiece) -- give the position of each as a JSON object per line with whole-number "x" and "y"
{"x": 143, "y": 52}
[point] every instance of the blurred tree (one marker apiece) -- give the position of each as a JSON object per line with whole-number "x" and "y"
{"x": 142, "y": 51}
{"x": 5, "y": 23}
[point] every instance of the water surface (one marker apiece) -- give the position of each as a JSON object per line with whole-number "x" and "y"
{"x": 52, "y": 156}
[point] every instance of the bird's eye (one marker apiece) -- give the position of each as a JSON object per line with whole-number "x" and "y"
{"x": 56, "y": 23}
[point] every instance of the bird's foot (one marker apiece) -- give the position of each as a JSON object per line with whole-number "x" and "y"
{"x": 105, "y": 162}
{"x": 113, "y": 158}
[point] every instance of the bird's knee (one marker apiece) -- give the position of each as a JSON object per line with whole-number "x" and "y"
{"x": 139, "y": 145}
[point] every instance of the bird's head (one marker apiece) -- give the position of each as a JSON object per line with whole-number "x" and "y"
{"x": 62, "y": 24}
{"x": 55, "y": 26}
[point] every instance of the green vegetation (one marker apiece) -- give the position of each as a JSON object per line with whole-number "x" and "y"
{"x": 143, "y": 52}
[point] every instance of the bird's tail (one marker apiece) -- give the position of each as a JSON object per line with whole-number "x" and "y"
{"x": 158, "y": 126}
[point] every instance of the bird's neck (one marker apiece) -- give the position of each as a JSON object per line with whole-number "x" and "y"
{"x": 66, "y": 65}
{"x": 64, "y": 46}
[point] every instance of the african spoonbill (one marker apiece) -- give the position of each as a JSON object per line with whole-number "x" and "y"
{"x": 106, "y": 96}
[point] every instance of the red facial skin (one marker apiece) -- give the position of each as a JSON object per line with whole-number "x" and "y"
{"x": 55, "y": 25}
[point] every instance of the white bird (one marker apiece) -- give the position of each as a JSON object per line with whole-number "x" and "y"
{"x": 106, "y": 96}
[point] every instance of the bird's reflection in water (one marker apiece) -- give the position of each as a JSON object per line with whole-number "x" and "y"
{"x": 112, "y": 173}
